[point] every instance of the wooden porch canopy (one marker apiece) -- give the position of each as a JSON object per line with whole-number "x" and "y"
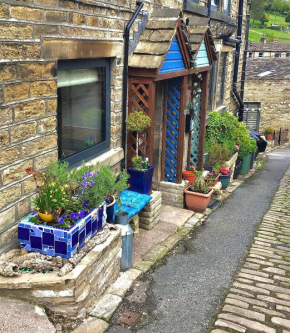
{"x": 169, "y": 47}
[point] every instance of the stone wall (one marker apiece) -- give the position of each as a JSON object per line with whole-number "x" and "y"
{"x": 34, "y": 36}
{"x": 72, "y": 295}
{"x": 274, "y": 96}
{"x": 173, "y": 194}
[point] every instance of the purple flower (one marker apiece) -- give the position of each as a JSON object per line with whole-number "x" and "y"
{"x": 83, "y": 213}
{"x": 95, "y": 174}
{"x": 92, "y": 183}
{"x": 86, "y": 203}
{"x": 90, "y": 173}
{"x": 85, "y": 176}
{"x": 74, "y": 216}
{"x": 61, "y": 219}
{"x": 85, "y": 184}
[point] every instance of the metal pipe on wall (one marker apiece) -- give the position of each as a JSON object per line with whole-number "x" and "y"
{"x": 125, "y": 76}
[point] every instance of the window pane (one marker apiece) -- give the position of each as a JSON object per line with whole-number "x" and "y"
{"x": 81, "y": 109}
{"x": 226, "y": 6}
{"x": 215, "y": 4}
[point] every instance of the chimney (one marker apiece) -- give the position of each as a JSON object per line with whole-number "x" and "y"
{"x": 263, "y": 39}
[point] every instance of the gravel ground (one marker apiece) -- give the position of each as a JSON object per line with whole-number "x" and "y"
{"x": 185, "y": 292}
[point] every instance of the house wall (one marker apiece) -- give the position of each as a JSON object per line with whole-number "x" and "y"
{"x": 269, "y": 54}
{"x": 274, "y": 96}
{"x": 34, "y": 36}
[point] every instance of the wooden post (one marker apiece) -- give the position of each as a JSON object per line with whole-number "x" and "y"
{"x": 204, "y": 94}
{"x": 181, "y": 129}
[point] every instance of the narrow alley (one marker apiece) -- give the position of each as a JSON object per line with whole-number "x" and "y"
{"x": 185, "y": 293}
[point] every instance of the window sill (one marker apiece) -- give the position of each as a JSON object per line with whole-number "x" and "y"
{"x": 111, "y": 157}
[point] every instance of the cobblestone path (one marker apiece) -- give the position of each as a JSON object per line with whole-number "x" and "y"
{"x": 259, "y": 298}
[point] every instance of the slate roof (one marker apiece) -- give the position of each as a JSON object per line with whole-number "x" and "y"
{"x": 268, "y": 47}
{"x": 156, "y": 39}
{"x": 268, "y": 69}
{"x": 197, "y": 28}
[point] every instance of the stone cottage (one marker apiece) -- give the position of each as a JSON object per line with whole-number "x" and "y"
{"x": 267, "y": 93}
{"x": 269, "y": 49}
{"x": 63, "y": 84}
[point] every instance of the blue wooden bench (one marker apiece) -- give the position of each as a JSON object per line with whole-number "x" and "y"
{"x": 132, "y": 202}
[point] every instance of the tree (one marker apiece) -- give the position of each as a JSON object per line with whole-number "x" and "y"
{"x": 257, "y": 9}
{"x": 265, "y": 18}
{"x": 287, "y": 18}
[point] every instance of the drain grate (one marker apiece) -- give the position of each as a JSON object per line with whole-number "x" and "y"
{"x": 129, "y": 318}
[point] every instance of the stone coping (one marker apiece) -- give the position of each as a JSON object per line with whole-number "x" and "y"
{"x": 26, "y": 280}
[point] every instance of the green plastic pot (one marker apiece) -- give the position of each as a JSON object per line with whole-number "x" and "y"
{"x": 246, "y": 164}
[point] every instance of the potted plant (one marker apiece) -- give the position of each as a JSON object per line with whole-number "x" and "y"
{"x": 69, "y": 211}
{"x": 269, "y": 133}
{"x": 225, "y": 176}
{"x": 189, "y": 175}
{"x": 198, "y": 195}
{"x": 141, "y": 173}
{"x": 212, "y": 178}
{"x": 111, "y": 186}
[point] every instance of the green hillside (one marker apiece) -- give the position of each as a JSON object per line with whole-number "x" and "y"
{"x": 256, "y": 31}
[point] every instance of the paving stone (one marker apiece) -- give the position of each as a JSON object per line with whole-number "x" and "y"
{"x": 120, "y": 286}
{"x": 21, "y": 317}
{"x": 240, "y": 291}
{"x": 156, "y": 253}
{"x": 217, "y": 330}
{"x": 92, "y": 325}
{"x": 274, "y": 288}
{"x": 242, "y": 280}
{"x": 283, "y": 308}
{"x": 269, "y": 312}
{"x": 260, "y": 262}
{"x": 252, "y": 266}
{"x": 144, "y": 266}
{"x": 281, "y": 322}
{"x": 248, "y": 300}
{"x": 247, "y": 323}
{"x": 245, "y": 313}
{"x": 256, "y": 278}
{"x": 274, "y": 270}
{"x": 106, "y": 306}
{"x": 139, "y": 293}
{"x": 252, "y": 288}
{"x": 273, "y": 300}
{"x": 236, "y": 302}
{"x": 224, "y": 323}
{"x": 171, "y": 241}
{"x": 283, "y": 296}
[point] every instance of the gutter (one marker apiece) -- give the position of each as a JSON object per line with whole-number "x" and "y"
{"x": 140, "y": 5}
{"x": 237, "y": 60}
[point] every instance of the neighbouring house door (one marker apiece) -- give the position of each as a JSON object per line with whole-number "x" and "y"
{"x": 195, "y": 125}
{"x": 173, "y": 118}
{"x": 252, "y": 115}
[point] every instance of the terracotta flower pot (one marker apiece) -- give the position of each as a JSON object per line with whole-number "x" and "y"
{"x": 213, "y": 182}
{"x": 270, "y": 136}
{"x": 189, "y": 175}
{"x": 197, "y": 202}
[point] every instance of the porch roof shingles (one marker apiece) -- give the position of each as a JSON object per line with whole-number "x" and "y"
{"x": 156, "y": 39}
{"x": 197, "y": 29}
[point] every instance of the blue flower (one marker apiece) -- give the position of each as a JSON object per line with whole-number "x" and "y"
{"x": 95, "y": 174}
{"x": 92, "y": 183}
{"x": 83, "y": 213}
{"x": 61, "y": 219}
{"x": 90, "y": 173}
{"x": 86, "y": 203}
{"x": 74, "y": 216}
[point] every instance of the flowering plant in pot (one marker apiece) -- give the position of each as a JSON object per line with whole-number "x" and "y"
{"x": 269, "y": 133}
{"x": 212, "y": 178}
{"x": 225, "y": 176}
{"x": 111, "y": 186}
{"x": 142, "y": 172}
{"x": 198, "y": 195}
{"x": 69, "y": 210}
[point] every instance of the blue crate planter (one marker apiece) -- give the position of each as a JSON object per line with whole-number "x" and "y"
{"x": 60, "y": 242}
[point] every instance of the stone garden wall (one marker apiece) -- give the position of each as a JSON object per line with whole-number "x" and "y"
{"x": 274, "y": 96}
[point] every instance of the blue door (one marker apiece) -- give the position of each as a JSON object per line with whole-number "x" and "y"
{"x": 172, "y": 126}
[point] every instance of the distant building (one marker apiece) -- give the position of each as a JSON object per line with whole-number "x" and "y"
{"x": 267, "y": 93}
{"x": 268, "y": 50}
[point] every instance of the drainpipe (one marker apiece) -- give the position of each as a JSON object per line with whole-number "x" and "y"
{"x": 245, "y": 57}
{"x": 208, "y": 8}
{"x": 125, "y": 76}
{"x": 237, "y": 60}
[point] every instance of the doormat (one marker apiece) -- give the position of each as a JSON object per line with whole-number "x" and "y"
{"x": 213, "y": 203}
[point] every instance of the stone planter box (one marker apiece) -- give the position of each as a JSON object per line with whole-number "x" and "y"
{"x": 230, "y": 164}
{"x": 55, "y": 241}
{"x": 72, "y": 295}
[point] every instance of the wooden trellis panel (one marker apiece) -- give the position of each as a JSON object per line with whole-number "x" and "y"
{"x": 141, "y": 98}
{"x": 172, "y": 130}
{"x": 195, "y": 125}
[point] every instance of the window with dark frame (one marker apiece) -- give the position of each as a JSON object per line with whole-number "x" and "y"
{"x": 215, "y": 4}
{"x": 277, "y": 55}
{"x": 250, "y": 54}
{"x": 287, "y": 55}
{"x": 83, "y": 109}
{"x": 220, "y": 87}
{"x": 261, "y": 54}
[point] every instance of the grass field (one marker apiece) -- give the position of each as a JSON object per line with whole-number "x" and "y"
{"x": 256, "y": 32}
